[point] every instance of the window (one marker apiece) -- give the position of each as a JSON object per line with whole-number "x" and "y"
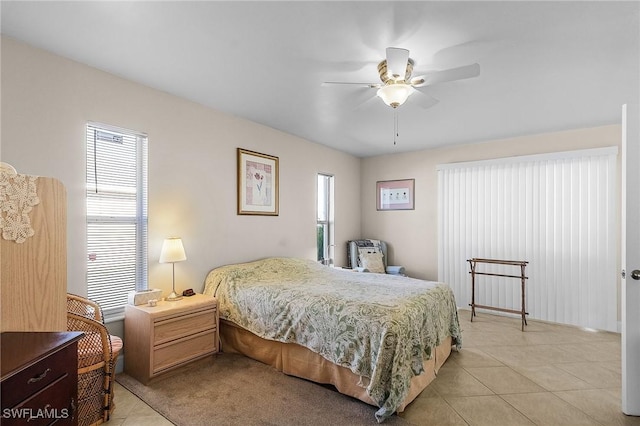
{"x": 325, "y": 219}
{"x": 557, "y": 211}
{"x": 116, "y": 215}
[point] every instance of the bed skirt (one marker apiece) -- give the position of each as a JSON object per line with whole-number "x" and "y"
{"x": 298, "y": 361}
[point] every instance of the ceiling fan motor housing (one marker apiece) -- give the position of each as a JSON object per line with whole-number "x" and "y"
{"x": 396, "y": 89}
{"x": 384, "y": 74}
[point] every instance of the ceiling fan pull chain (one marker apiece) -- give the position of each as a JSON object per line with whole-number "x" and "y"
{"x": 395, "y": 126}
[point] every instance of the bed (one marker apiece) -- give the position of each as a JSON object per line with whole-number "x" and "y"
{"x": 376, "y": 337}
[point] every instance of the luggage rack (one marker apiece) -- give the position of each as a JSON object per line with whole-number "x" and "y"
{"x": 521, "y": 263}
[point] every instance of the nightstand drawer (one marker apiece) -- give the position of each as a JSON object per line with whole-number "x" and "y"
{"x": 176, "y": 352}
{"x": 178, "y": 326}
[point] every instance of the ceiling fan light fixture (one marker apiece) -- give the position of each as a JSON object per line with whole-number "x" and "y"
{"x": 395, "y": 94}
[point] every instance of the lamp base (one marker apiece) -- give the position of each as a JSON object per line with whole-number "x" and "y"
{"x": 173, "y": 297}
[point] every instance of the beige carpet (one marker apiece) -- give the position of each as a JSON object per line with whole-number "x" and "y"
{"x": 231, "y": 389}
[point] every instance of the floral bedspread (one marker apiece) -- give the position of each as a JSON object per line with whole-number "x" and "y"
{"x": 381, "y": 327}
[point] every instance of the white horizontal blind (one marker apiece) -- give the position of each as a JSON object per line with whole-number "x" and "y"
{"x": 556, "y": 211}
{"x": 325, "y": 219}
{"x": 116, "y": 214}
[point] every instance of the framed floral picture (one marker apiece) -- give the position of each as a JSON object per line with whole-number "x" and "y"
{"x": 395, "y": 194}
{"x": 257, "y": 183}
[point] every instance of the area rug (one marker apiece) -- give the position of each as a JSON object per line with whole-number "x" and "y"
{"x": 231, "y": 389}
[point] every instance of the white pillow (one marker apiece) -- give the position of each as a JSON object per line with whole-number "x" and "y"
{"x": 364, "y": 250}
{"x": 373, "y": 262}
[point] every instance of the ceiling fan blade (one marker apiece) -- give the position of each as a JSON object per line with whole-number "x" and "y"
{"x": 352, "y": 96}
{"x": 435, "y": 77}
{"x": 345, "y": 83}
{"x": 397, "y": 62}
{"x": 423, "y": 100}
{"x": 365, "y": 102}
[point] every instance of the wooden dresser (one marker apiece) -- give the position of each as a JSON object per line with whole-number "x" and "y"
{"x": 39, "y": 378}
{"x": 171, "y": 334}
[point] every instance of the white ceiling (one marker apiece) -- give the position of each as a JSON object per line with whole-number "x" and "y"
{"x": 545, "y": 66}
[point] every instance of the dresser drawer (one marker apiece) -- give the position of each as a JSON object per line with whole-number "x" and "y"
{"x": 170, "y": 328}
{"x": 51, "y": 404}
{"x": 179, "y": 351}
{"x": 38, "y": 376}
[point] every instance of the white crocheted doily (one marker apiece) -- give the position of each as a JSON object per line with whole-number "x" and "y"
{"x": 17, "y": 197}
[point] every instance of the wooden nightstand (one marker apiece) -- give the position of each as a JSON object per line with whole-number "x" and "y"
{"x": 163, "y": 337}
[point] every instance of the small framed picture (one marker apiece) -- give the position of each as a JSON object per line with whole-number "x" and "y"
{"x": 257, "y": 183}
{"x": 395, "y": 194}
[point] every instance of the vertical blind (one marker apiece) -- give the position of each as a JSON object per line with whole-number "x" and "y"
{"x": 116, "y": 214}
{"x": 556, "y": 211}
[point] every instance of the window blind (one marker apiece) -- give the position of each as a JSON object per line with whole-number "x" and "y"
{"x": 556, "y": 211}
{"x": 325, "y": 219}
{"x": 116, "y": 182}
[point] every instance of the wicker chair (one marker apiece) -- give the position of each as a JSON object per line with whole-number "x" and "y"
{"x": 97, "y": 356}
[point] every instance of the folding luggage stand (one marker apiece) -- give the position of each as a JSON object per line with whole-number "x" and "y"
{"x": 522, "y": 264}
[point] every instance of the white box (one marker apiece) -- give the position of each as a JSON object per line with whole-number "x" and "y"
{"x": 142, "y": 297}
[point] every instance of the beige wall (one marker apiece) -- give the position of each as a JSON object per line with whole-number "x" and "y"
{"x": 46, "y": 102}
{"x": 412, "y": 234}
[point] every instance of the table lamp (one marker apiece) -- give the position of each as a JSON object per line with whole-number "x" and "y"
{"x": 172, "y": 252}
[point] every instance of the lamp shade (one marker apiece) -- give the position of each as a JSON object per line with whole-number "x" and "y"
{"x": 172, "y": 251}
{"x": 395, "y": 94}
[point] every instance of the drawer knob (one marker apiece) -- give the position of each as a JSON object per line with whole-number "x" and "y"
{"x": 40, "y": 377}
{"x": 46, "y": 409}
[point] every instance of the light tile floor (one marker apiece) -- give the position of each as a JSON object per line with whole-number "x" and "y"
{"x": 547, "y": 375}
{"x": 132, "y": 411}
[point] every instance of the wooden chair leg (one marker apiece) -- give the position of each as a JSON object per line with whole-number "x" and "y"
{"x": 111, "y": 389}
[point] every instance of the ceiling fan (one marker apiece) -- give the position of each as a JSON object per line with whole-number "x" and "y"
{"x": 397, "y": 83}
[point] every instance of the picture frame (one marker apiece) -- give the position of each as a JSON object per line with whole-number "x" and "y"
{"x": 258, "y": 185}
{"x": 395, "y": 194}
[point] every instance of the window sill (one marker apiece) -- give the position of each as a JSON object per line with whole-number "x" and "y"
{"x": 114, "y": 315}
